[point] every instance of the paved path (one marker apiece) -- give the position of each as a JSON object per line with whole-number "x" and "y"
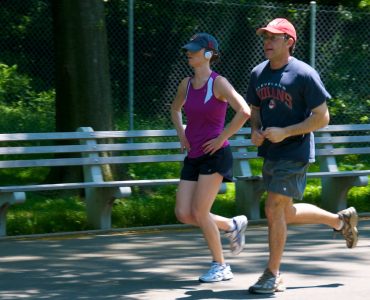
{"x": 166, "y": 264}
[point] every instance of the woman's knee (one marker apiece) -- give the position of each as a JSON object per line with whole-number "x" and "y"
{"x": 184, "y": 217}
{"x": 196, "y": 216}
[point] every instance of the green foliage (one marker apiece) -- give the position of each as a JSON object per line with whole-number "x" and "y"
{"x": 22, "y": 109}
{"x": 14, "y": 87}
{"x": 364, "y": 4}
{"x": 146, "y": 207}
{"x": 348, "y": 111}
{"x": 224, "y": 204}
{"x": 359, "y": 197}
{"x": 312, "y": 192}
{"x": 22, "y": 175}
{"x": 46, "y": 214}
{"x": 51, "y": 212}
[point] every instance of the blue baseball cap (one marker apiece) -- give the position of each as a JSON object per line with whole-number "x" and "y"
{"x": 200, "y": 41}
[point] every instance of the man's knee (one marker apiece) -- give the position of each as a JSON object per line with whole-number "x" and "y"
{"x": 276, "y": 205}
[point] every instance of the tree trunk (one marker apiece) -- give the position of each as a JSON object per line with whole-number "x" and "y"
{"x": 83, "y": 91}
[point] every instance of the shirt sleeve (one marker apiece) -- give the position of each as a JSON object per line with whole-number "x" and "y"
{"x": 315, "y": 93}
{"x": 252, "y": 97}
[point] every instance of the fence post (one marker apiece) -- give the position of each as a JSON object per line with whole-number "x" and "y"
{"x": 312, "y": 33}
{"x": 131, "y": 64}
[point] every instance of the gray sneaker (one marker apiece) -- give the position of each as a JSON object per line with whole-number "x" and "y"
{"x": 349, "y": 230}
{"x": 268, "y": 283}
{"x": 217, "y": 272}
{"x": 237, "y": 236}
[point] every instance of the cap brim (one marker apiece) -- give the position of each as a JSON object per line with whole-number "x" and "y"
{"x": 269, "y": 29}
{"x": 192, "y": 47}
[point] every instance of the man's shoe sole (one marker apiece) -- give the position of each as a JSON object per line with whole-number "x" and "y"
{"x": 353, "y": 223}
{"x": 253, "y": 291}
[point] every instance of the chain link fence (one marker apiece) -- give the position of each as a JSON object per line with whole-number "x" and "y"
{"x": 161, "y": 27}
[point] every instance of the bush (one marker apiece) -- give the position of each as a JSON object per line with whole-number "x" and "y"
{"x": 43, "y": 213}
{"x": 21, "y": 108}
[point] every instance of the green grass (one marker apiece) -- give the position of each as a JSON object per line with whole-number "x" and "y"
{"x": 47, "y": 213}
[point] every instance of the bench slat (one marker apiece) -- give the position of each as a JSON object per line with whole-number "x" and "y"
{"x": 57, "y": 162}
{"x": 342, "y": 139}
{"x": 153, "y": 146}
{"x": 42, "y": 136}
{"x": 82, "y": 185}
{"x": 104, "y": 147}
{"x": 354, "y": 173}
{"x": 150, "y": 158}
{"x": 245, "y": 155}
{"x": 4, "y": 137}
{"x": 347, "y": 127}
{"x": 342, "y": 151}
{"x": 89, "y": 148}
{"x": 81, "y": 161}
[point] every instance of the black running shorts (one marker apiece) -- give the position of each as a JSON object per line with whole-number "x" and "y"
{"x": 220, "y": 162}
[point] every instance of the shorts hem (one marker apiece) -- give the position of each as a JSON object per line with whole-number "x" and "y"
{"x": 296, "y": 197}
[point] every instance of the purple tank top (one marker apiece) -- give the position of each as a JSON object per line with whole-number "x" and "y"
{"x": 205, "y": 116}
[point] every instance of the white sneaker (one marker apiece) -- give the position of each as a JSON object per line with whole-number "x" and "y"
{"x": 217, "y": 272}
{"x": 237, "y": 236}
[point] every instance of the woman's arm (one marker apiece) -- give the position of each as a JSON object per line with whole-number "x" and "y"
{"x": 224, "y": 91}
{"x": 176, "y": 114}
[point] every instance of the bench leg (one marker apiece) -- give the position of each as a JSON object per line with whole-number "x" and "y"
{"x": 7, "y": 199}
{"x": 248, "y": 195}
{"x": 99, "y": 203}
{"x": 3, "y": 211}
{"x": 335, "y": 190}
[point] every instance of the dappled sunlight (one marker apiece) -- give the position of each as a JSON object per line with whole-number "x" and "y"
{"x": 19, "y": 258}
{"x": 154, "y": 265}
{"x": 20, "y": 294}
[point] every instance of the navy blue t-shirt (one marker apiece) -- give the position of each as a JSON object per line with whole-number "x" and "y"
{"x": 285, "y": 97}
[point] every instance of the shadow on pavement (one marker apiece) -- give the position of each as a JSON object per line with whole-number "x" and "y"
{"x": 166, "y": 265}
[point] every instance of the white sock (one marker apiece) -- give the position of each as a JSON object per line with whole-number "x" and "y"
{"x": 341, "y": 225}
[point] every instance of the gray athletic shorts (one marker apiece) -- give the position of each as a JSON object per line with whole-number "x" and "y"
{"x": 285, "y": 177}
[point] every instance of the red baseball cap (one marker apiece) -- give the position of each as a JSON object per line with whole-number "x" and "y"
{"x": 279, "y": 25}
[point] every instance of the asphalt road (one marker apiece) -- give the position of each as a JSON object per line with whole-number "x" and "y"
{"x": 165, "y": 264}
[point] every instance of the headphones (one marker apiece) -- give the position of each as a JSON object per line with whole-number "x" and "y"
{"x": 208, "y": 54}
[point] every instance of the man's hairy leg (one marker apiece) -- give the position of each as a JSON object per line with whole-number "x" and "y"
{"x": 275, "y": 208}
{"x": 304, "y": 213}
